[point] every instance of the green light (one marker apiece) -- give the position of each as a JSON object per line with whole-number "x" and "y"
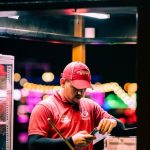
{"x": 115, "y": 102}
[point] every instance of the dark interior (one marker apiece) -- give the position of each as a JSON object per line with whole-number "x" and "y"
{"x": 44, "y": 32}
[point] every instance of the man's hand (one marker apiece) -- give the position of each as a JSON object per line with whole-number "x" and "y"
{"x": 82, "y": 139}
{"x": 106, "y": 125}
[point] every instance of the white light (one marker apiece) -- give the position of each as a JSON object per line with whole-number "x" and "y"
{"x": 17, "y": 95}
{"x": 96, "y": 15}
{"x": 13, "y": 17}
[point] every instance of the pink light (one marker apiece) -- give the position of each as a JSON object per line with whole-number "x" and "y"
{"x": 23, "y": 118}
{"x": 33, "y": 100}
{"x": 35, "y": 94}
{"x": 30, "y": 108}
{"x": 23, "y": 137}
{"x": 96, "y": 96}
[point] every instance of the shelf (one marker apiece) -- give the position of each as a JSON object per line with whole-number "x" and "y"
{"x": 60, "y": 38}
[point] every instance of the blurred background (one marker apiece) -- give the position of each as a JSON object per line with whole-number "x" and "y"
{"x": 42, "y": 43}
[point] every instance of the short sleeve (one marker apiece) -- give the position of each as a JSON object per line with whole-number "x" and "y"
{"x": 38, "y": 123}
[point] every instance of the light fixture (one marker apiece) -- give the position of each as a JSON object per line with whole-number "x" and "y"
{"x": 13, "y": 17}
{"x": 95, "y": 15}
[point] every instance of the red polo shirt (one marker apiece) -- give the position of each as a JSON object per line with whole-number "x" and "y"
{"x": 67, "y": 119}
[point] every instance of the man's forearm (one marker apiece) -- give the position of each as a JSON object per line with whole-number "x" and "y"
{"x": 38, "y": 142}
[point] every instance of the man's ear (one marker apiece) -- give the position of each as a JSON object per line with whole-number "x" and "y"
{"x": 62, "y": 82}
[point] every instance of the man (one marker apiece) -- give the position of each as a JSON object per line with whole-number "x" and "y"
{"x": 73, "y": 115}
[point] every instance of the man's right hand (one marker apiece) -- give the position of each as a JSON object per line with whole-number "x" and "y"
{"x": 82, "y": 139}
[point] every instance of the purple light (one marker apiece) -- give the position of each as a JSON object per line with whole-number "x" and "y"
{"x": 33, "y": 100}
{"x": 23, "y": 118}
{"x": 30, "y": 107}
{"x": 96, "y": 96}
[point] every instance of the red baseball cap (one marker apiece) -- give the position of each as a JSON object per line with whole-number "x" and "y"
{"x": 78, "y": 74}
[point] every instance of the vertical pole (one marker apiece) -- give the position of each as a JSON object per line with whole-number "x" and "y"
{"x": 143, "y": 76}
{"x": 78, "y": 51}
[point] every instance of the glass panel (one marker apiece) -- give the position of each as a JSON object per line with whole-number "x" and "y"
{"x": 6, "y": 102}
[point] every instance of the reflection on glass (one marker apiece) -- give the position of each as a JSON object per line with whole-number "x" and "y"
{"x": 3, "y": 81}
